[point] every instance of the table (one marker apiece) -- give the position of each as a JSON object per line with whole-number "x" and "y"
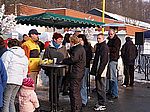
{"x": 52, "y": 73}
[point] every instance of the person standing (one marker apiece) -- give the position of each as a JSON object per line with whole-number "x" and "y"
{"x": 25, "y": 38}
{"x": 77, "y": 60}
{"x": 99, "y": 69}
{"x": 56, "y": 50}
{"x": 32, "y": 51}
{"x": 16, "y": 64}
{"x": 114, "y": 44}
{"x": 3, "y": 82}
{"x": 129, "y": 53}
{"x": 77, "y": 32}
{"x": 28, "y": 101}
{"x": 88, "y": 49}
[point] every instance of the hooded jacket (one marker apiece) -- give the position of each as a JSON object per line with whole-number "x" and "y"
{"x": 129, "y": 52}
{"x": 32, "y": 51}
{"x": 28, "y": 100}
{"x": 16, "y": 64}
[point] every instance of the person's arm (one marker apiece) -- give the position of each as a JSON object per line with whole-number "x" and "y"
{"x": 3, "y": 74}
{"x": 123, "y": 52}
{"x": 27, "y": 51}
{"x": 74, "y": 57}
{"x": 103, "y": 60}
{"x": 34, "y": 100}
{"x": 6, "y": 58}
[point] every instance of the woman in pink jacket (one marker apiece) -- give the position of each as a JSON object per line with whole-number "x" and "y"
{"x": 28, "y": 101}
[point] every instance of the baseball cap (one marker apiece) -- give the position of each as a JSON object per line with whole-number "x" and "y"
{"x": 78, "y": 30}
{"x": 33, "y": 31}
{"x": 29, "y": 82}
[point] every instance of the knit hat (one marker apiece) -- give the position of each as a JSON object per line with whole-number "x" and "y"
{"x": 29, "y": 82}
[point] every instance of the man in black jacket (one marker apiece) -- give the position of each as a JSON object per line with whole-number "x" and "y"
{"x": 128, "y": 53}
{"x": 114, "y": 44}
{"x": 99, "y": 69}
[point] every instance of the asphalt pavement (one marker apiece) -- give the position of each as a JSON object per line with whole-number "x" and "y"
{"x": 131, "y": 99}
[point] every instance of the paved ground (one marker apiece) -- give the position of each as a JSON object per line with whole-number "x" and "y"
{"x": 135, "y": 99}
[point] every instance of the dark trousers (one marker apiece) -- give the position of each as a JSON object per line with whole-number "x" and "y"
{"x": 129, "y": 74}
{"x": 101, "y": 90}
{"x": 65, "y": 83}
{"x": 75, "y": 95}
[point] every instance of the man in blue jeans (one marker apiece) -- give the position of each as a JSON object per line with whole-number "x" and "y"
{"x": 114, "y": 44}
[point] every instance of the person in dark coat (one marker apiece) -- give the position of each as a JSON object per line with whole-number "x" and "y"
{"x": 3, "y": 82}
{"x": 99, "y": 69}
{"x": 129, "y": 53}
{"x": 56, "y": 50}
{"x": 114, "y": 44}
{"x": 2, "y": 46}
{"x": 88, "y": 49}
{"x": 77, "y": 60}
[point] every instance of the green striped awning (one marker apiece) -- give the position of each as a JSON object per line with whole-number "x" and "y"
{"x": 56, "y": 20}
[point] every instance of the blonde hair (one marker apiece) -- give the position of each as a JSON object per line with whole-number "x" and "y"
{"x": 74, "y": 39}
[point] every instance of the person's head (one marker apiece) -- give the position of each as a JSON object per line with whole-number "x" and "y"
{"x": 100, "y": 38}
{"x": 82, "y": 39}
{"x": 77, "y": 32}
{"x": 25, "y": 37}
{"x": 29, "y": 82}
{"x": 2, "y": 43}
{"x": 57, "y": 38}
{"x": 33, "y": 33}
{"x": 66, "y": 37}
{"x": 111, "y": 33}
{"x": 13, "y": 42}
{"x": 74, "y": 40}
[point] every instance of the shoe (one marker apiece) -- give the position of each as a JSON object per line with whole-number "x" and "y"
{"x": 99, "y": 107}
{"x": 131, "y": 85}
{"x": 124, "y": 85}
{"x": 114, "y": 97}
{"x": 83, "y": 105}
{"x": 65, "y": 93}
{"x": 94, "y": 90}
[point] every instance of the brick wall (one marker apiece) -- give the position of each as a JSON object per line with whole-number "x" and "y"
{"x": 29, "y": 10}
{"x": 132, "y": 29}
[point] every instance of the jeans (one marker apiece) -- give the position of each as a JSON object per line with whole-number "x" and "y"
{"x": 84, "y": 94}
{"x": 9, "y": 97}
{"x": 113, "y": 82}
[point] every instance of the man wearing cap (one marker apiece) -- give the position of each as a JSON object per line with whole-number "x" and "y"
{"x": 77, "y": 32}
{"x": 32, "y": 51}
